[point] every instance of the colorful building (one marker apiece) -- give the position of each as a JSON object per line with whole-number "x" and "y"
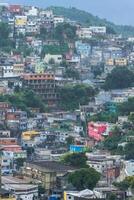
{"x": 78, "y": 148}
{"x": 97, "y": 130}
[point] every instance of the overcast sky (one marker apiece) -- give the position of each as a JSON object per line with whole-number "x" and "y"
{"x": 118, "y": 11}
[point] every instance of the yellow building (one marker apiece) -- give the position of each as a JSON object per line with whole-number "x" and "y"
{"x": 28, "y": 135}
{"x": 110, "y": 62}
{"x": 121, "y": 62}
{"x": 20, "y": 21}
{"x": 117, "y": 62}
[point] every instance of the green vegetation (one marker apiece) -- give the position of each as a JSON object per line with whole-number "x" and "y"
{"x": 84, "y": 178}
{"x": 126, "y": 108}
{"x": 55, "y": 49}
{"x": 20, "y": 162}
{"x": 75, "y": 160}
{"x": 88, "y": 19}
{"x": 128, "y": 182}
{"x": 117, "y": 137}
{"x": 74, "y": 95}
{"x": 43, "y": 33}
{"x": 65, "y": 32}
{"x": 119, "y": 78}
{"x": 112, "y": 196}
{"x": 111, "y": 142}
{"x": 72, "y": 73}
{"x": 5, "y": 43}
{"x": 24, "y": 100}
{"x": 104, "y": 117}
{"x": 23, "y": 49}
{"x": 128, "y": 151}
{"x": 69, "y": 141}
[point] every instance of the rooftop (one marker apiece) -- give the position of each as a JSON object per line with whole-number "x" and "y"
{"x": 53, "y": 166}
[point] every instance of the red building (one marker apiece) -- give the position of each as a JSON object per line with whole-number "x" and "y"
{"x": 96, "y": 130}
{"x": 15, "y": 9}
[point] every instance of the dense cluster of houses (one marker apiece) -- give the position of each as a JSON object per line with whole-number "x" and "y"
{"x": 41, "y": 139}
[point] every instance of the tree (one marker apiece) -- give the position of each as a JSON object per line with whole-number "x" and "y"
{"x": 126, "y": 108}
{"x": 55, "y": 49}
{"x": 74, "y": 95}
{"x": 104, "y": 116}
{"x": 72, "y": 73}
{"x": 84, "y": 178}
{"x": 43, "y": 33}
{"x": 6, "y": 44}
{"x": 112, "y": 196}
{"x": 65, "y": 32}
{"x": 129, "y": 151}
{"x": 75, "y": 159}
{"x": 119, "y": 78}
{"x": 110, "y": 30}
{"x": 4, "y": 30}
{"x": 69, "y": 140}
{"x": 128, "y": 182}
{"x": 111, "y": 142}
{"x": 20, "y": 162}
{"x": 30, "y": 151}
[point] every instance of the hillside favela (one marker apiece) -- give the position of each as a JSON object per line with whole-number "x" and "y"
{"x": 66, "y": 103}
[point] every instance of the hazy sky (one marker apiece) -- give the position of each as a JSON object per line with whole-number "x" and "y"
{"x": 118, "y": 11}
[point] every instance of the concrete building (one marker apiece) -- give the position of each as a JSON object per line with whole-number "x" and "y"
{"x": 98, "y": 29}
{"x": 83, "y": 49}
{"x": 18, "y": 69}
{"x": 16, "y": 120}
{"x": 46, "y": 172}
{"x": 82, "y": 195}
{"x": 58, "y": 20}
{"x": 44, "y": 85}
{"x": 108, "y": 166}
{"x": 84, "y": 33}
{"x": 20, "y": 188}
{"x": 56, "y": 59}
{"x": 6, "y": 70}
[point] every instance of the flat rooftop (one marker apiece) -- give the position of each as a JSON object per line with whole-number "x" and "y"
{"x": 17, "y": 184}
{"x": 13, "y": 180}
{"x": 53, "y": 166}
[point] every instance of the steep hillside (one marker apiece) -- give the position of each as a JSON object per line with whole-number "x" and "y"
{"x": 86, "y": 18}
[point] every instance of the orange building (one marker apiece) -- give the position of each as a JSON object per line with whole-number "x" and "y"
{"x": 44, "y": 85}
{"x": 8, "y": 141}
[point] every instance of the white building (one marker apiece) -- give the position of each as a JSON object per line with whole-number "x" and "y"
{"x": 85, "y": 194}
{"x": 55, "y": 58}
{"x": 20, "y": 189}
{"x": 32, "y": 27}
{"x": 7, "y": 71}
{"x": 46, "y": 13}
{"x": 58, "y": 20}
{"x": 98, "y": 29}
{"x": 84, "y": 33}
{"x": 32, "y": 12}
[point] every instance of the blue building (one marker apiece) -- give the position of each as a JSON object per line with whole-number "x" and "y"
{"x": 83, "y": 49}
{"x": 78, "y": 148}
